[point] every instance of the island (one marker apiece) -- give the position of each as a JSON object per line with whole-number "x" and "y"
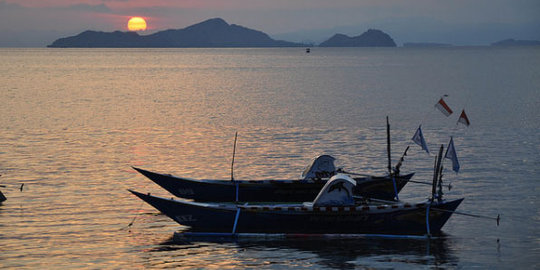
{"x": 212, "y": 33}
{"x": 370, "y": 38}
{"x": 425, "y": 44}
{"x": 513, "y": 42}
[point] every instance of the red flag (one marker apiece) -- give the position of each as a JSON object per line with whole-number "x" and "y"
{"x": 463, "y": 119}
{"x": 443, "y": 107}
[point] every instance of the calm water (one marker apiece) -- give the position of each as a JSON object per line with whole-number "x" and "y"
{"x": 74, "y": 121}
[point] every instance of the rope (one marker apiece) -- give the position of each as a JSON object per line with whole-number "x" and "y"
{"x": 498, "y": 218}
{"x": 136, "y": 215}
{"x": 138, "y": 209}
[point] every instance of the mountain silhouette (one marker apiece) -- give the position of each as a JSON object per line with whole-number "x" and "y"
{"x": 513, "y": 42}
{"x": 207, "y": 34}
{"x": 370, "y": 38}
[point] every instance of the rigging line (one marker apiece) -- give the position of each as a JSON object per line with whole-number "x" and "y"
{"x": 498, "y": 218}
{"x": 135, "y": 217}
{"x": 138, "y": 209}
{"x": 449, "y": 186}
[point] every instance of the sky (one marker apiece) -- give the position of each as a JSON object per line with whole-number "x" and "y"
{"x": 37, "y": 23}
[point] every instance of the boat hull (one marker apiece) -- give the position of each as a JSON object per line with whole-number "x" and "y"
{"x": 268, "y": 190}
{"x": 301, "y": 218}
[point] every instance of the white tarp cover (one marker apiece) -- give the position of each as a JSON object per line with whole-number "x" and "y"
{"x": 338, "y": 191}
{"x": 321, "y": 167}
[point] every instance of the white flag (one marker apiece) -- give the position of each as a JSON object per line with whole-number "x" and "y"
{"x": 418, "y": 138}
{"x": 443, "y": 107}
{"x": 451, "y": 154}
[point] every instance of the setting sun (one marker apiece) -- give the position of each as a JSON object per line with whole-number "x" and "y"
{"x": 136, "y": 24}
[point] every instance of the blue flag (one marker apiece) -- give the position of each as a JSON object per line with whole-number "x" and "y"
{"x": 418, "y": 138}
{"x": 451, "y": 154}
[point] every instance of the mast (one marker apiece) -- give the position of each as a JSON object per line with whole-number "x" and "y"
{"x": 436, "y": 173}
{"x": 398, "y": 165}
{"x": 233, "y": 153}
{"x": 388, "y": 146}
{"x": 440, "y": 192}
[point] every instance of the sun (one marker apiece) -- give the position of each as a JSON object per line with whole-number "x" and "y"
{"x": 136, "y": 24}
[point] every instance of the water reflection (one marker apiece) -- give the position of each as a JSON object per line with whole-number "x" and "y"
{"x": 345, "y": 253}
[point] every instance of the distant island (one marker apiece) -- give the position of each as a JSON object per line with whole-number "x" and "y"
{"x": 425, "y": 44}
{"x": 212, "y": 33}
{"x": 370, "y": 38}
{"x": 207, "y": 34}
{"x": 513, "y": 42}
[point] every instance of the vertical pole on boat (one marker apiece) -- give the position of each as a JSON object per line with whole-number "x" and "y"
{"x": 390, "y": 174}
{"x": 440, "y": 192}
{"x": 233, "y": 153}
{"x": 400, "y": 162}
{"x": 388, "y": 146}
{"x": 232, "y": 170}
{"x": 436, "y": 173}
{"x": 427, "y": 220}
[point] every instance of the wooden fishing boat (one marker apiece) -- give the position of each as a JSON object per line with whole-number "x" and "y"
{"x": 334, "y": 211}
{"x": 2, "y": 197}
{"x": 306, "y": 188}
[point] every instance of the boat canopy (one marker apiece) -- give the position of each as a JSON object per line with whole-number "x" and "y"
{"x": 321, "y": 167}
{"x": 338, "y": 191}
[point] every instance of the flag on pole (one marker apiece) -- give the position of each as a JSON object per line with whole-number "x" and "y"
{"x": 443, "y": 107}
{"x": 451, "y": 154}
{"x": 418, "y": 138}
{"x": 463, "y": 119}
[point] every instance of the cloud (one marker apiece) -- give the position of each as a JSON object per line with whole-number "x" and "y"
{"x": 9, "y": 6}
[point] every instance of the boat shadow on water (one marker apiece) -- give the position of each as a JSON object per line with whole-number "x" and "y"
{"x": 342, "y": 253}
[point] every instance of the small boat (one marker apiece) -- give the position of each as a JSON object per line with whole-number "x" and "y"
{"x": 335, "y": 210}
{"x": 304, "y": 189}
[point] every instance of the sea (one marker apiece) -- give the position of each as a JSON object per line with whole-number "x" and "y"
{"x": 73, "y": 122}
